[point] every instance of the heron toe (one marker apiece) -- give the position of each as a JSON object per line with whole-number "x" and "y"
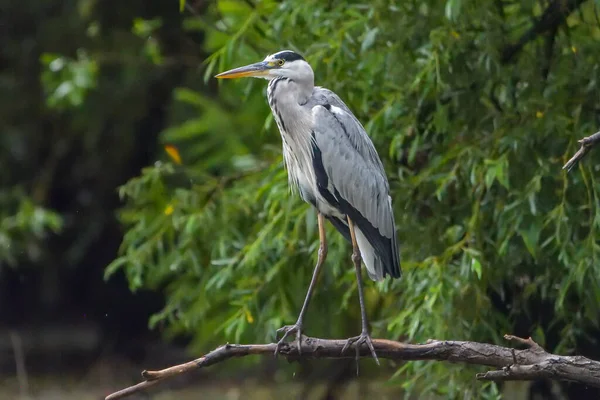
{"x": 357, "y": 341}
{"x": 289, "y": 330}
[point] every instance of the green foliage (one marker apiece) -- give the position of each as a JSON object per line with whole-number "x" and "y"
{"x": 144, "y": 29}
{"x": 473, "y": 147}
{"x": 67, "y": 80}
{"x": 22, "y": 226}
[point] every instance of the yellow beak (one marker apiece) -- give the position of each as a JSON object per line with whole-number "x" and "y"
{"x": 252, "y": 70}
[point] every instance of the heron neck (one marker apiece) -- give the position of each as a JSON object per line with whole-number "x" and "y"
{"x": 287, "y": 89}
{"x": 303, "y": 90}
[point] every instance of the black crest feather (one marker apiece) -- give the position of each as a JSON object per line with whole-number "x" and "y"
{"x": 288, "y": 55}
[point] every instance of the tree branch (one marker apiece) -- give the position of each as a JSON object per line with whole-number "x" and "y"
{"x": 529, "y": 364}
{"x": 586, "y": 145}
{"x": 554, "y": 16}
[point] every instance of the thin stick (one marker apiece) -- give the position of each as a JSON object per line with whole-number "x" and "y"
{"x": 20, "y": 364}
{"x": 586, "y": 145}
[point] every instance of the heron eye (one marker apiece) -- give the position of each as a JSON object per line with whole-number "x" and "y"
{"x": 280, "y": 62}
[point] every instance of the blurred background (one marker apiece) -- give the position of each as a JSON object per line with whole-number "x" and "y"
{"x": 145, "y": 215}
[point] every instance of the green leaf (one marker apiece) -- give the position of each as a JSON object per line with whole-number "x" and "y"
{"x": 369, "y": 39}
{"x": 490, "y": 176}
{"x": 502, "y": 172}
{"x": 476, "y": 267}
{"x": 453, "y": 8}
{"x": 530, "y": 238}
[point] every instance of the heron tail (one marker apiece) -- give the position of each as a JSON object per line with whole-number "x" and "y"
{"x": 372, "y": 261}
{"x": 377, "y": 265}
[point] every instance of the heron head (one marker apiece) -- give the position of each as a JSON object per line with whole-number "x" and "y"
{"x": 285, "y": 63}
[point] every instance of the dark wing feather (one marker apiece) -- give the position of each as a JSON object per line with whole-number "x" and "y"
{"x": 340, "y": 226}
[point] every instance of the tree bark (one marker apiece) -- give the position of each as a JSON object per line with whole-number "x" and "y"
{"x": 528, "y": 364}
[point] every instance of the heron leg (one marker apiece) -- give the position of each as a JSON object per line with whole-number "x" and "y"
{"x": 297, "y": 327}
{"x": 364, "y": 337}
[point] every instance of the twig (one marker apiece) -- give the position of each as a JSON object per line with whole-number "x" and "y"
{"x": 586, "y": 145}
{"x": 531, "y": 363}
{"x": 527, "y": 342}
{"x": 20, "y": 364}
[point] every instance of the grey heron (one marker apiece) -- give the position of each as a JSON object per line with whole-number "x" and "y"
{"x": 333, "y": 163}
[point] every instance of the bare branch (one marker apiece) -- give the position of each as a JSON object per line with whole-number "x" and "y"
{"x": 532, "y": 363}
{"x": 586, "y": 145}
{"x": 527, "y": 342}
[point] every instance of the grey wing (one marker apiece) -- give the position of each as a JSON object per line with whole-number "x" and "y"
{"x": 327, "y": 98}
{"x": 350, "y": 175}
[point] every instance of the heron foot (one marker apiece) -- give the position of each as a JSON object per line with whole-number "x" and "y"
{"x": 289, "y": 330}
{"x": 357, "y": 341}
